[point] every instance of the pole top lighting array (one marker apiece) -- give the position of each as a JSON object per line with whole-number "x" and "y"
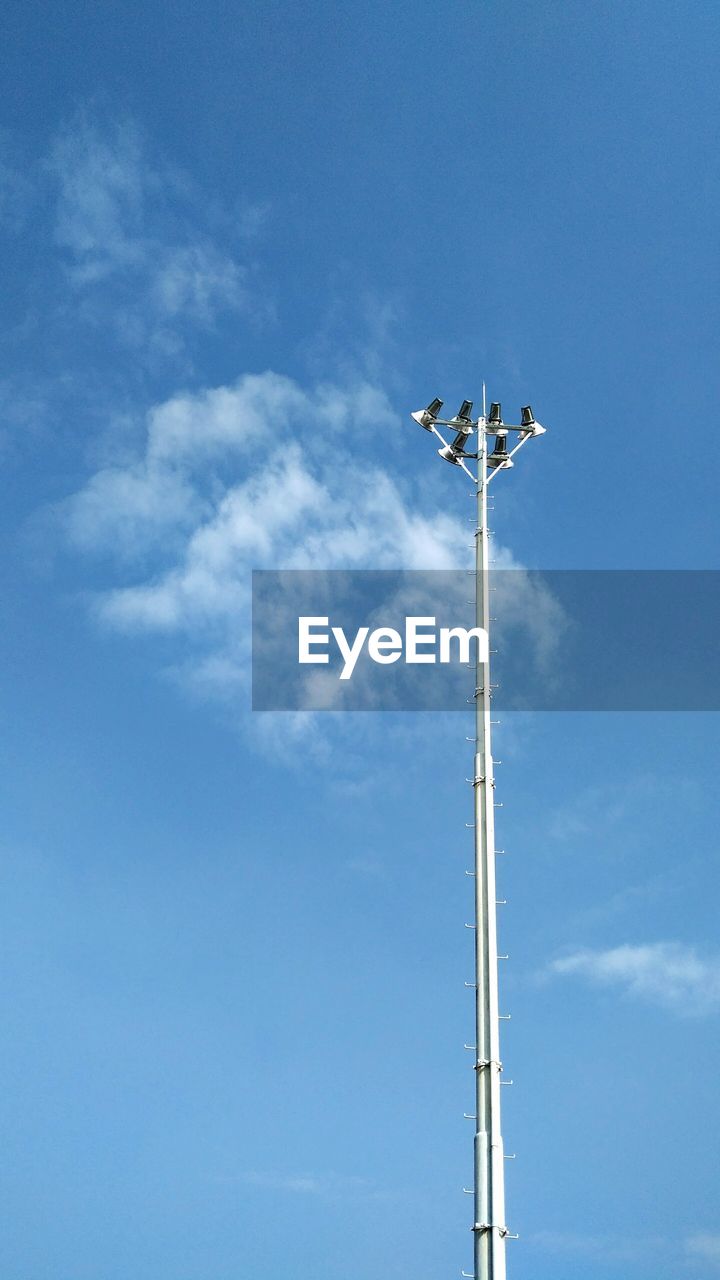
{"x": 464, "y": 425}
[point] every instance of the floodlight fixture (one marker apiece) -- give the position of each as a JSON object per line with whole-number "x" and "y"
{"x": 455, "y": 451}
{"x": 528, "y": 425}
{"x": 494, "y": 418}
{"x": 463, "y": 414}
{"x": 426, "y": 418}
{"x": 500, "y": 456}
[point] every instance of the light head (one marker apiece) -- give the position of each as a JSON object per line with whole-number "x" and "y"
{"x": 427, "y": 418}
{"x": 456, "y": 449}
{"x": 463, "y": 416}
{"x": 449, "y": 454}
{"x": 499, "y": 456}
{"x": 494, "y": 418}
{"x": 528, "y": 425}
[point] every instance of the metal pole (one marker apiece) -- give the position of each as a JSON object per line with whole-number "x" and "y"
{"x": 490, "y": 1231}
{"x": 489, "y": 1226}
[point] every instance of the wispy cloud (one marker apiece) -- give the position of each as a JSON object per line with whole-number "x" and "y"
{"x": 240, "y": 477}
{"x": 600, "y": 808}
{"x": 523, "y": 601}
{"x": 15, "y": 193}
{"x": 610, "y": 1248}
{"x": 669, "y": 974}
{"x": 704, "y": 1245}
{"x": 225, "y": 478}
{"x": 624, "y": 814}
{"x": 330, "y": 1185}
{"x": 246, "y": 476}
{"x": 24, "y": 411}
{"x": 137, "y": 248}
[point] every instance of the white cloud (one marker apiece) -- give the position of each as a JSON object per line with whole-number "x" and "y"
{"x": 291, "y": 514}
{"x": 523, "y": 601}
{"x": 197, "y": 280}
{"x": 247, "y": 476}
{"x": 126, "y": 510}
{"x": 309, "y": 1184}
{"x": 136, "y": 244}
{"x": 664, "y": 973}
{"x": 239, "y": 477}
{"x": 189, "y": 427}
{"x": 103, "y": 189}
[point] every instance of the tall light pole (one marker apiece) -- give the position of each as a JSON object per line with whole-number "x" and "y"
{"x": 489, "y": 1229}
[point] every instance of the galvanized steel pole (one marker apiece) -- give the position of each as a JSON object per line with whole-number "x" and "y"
{"x": 489, "y": 1229}
{"x": 489, "y": 1225}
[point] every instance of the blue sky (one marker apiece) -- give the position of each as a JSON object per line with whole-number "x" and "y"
{"x": 239, "y": 246}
